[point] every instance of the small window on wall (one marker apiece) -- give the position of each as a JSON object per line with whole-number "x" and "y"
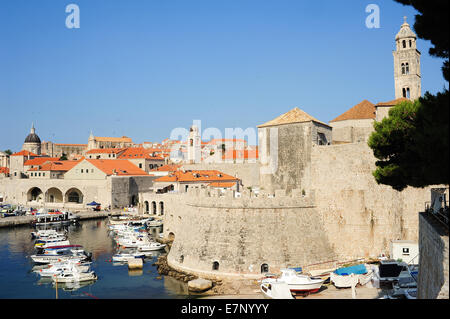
{"x": 404, "y": 44}
{"x": 405, "y": 251}
{"x": 264, "y": 268}
{"x": 215, "y": 265}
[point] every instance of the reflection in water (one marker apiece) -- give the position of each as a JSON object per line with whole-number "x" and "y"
{"x": 18, "y": 277}
{"x": 175, "y": 286}
{"x": 135, "y": 272}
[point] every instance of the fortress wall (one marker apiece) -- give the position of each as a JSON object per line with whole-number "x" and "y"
{"x": 241, "y": 234}
{"x": 247, "y": 172}
{"x": 361, "y": 217}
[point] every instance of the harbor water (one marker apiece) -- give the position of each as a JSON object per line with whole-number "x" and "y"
{"x": 19, "y": 279}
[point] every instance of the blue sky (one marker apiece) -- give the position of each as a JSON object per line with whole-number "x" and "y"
{"x": 143, "y": 67}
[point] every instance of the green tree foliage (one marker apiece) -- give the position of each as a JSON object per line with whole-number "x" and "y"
{"x": 412, "y": 143}
{"x": 8, "y": 152}
{"x": 63, "y": 157}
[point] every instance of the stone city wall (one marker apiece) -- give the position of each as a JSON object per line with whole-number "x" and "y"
{"x": 242, "y": 234}
{"x": 361, "y": 217}
{"x": 433, "y": 272}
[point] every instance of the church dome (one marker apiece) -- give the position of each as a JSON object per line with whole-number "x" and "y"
{"x": 32, "y": 137}
{"x": 405, "y": 32}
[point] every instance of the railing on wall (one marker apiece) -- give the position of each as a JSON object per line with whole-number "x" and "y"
{"x": 438, "y": 207}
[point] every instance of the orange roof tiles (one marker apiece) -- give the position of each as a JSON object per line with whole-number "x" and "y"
{"x": 24, "y": 153}
{"x": 55, "y": 166}
{"x": 363, "y": 110}
{"x": 119, "y": 166}
{"x": 40, "y": 160}
{"x": 222, "y": 184}
{"x": 167, "y": 168}
{"x": 139, "y": 152}
{"x": 4, "y": 170}
{"x": 240, "y": 154}
{"x": 293, "y": 116}
{"x": 393, "y": 102}
{"x": 196, "y": 176}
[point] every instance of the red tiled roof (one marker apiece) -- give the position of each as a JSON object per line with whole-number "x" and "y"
{"x": 222, "y": 184}
{"x": 393, "y": 102}
{"x": 167, "y": 168}
{"x": 63, "y": 166}
{"x": 4, "y": 170}
{"x": 363, "y": 110}
{"x": 120, "y": 166}
{"x": 196, "y": 176}
{"x": 40, "y": 160}
{"x": 139, "y": 152}
{"x": 105, "y": 150}
{"x": 24, "y": 153}
{"x": 240, "y": 154}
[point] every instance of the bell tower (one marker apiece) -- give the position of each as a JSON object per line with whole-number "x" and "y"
{"x": 407, "y": 64}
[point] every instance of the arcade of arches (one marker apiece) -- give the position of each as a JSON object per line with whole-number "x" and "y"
{"x": 55, "y": 195}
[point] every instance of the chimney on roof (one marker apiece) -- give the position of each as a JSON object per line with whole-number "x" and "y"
{"x": 114, "y": 171}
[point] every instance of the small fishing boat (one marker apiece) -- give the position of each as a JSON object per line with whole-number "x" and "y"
{"x": 53, "y": 256}
{"x": 46, "y": 244}
{"x": 126, "y": 256}
{"x": 74, "y": 276}
{"x": 276, "y": 290}
{"x": 151, "y": 247}
{"x": 296, "y": 282}
{"x": 45, "y": 233}
{"x": 59, "y": 268}
{"x": 350, "y": 276}
{"x": 154, "y": 223}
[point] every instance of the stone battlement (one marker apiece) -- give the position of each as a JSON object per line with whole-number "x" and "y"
{"x": 211, "y": 197}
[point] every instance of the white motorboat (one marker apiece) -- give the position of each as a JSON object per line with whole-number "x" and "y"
{"x": 75, "y": 276}
{"x": 152, "y": 246}
{"x": 154, "y": 223}
{"x": 57, "y": 256}
{"x": 276, "y": 290}
{"x": 134, "y": 241}
{"x": 59, "y": 268}
{"x": 126, "y": 256}
{"x": 297, "y": 283}
{"x": 46, "y": 233}
{"x": 58, "y": 242}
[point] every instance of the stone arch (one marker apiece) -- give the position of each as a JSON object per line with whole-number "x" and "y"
{"x": 35, "y": 194}
{"x": 161, "y": 208}
{"x": 264, "y": 268}
{"x": 154, "y": 207}
{"x": 147, "y": 207}
{"x": 54, "y": 195}
{"x": 73, "y": 195}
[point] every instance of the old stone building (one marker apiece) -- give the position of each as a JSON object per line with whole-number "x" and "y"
{"x": 407, "y": 64}
{"x": 32, "y": 142}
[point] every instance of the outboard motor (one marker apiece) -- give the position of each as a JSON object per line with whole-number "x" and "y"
{"x": 89, "y": 256}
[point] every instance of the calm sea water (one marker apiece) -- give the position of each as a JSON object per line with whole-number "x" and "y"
{"x": 19, "y": 281}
